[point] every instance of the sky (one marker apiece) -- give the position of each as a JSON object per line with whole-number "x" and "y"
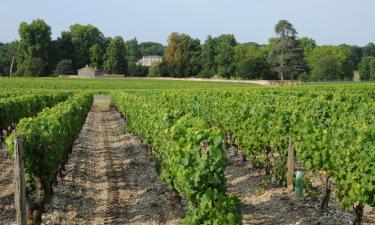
{"x": 326, "y": 21}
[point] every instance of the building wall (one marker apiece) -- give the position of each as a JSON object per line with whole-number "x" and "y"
{"x": 149, "y": 60}
{"x": 87, "y": 72}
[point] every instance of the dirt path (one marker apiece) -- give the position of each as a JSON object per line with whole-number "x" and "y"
{"x": 277, "y": 207}
{"x": 7, "y": 210}
{"x": 110, "y": 178}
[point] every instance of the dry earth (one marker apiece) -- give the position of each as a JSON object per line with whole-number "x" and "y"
{"x": 7, "y": 210}
{"x": 278, "y": 207}
{"x": 110, "y": 178}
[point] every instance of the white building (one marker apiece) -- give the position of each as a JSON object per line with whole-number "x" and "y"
{"x": 150, "y": 60}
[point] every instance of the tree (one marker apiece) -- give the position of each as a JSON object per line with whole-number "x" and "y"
{"x": 225, "y": 55}
{"x": 65, "y": 46}
{"x": 343, "y": 56}
{"x": 151, "y": 48}
{"x": 251, "y": 62}
{"x": 355, "y": 54}
{"x": 133, "y": 53}
{"x": 31, "y": 67}
{"x": 88, "y": 44}
{"x": 209, "y": 66}
{"x": 97, "y": 52}
{"x": 326, "y": 68}
{"x": 137, "y": 70}
{"x": 154, "y": 71}
{"x": 286, "y": 56}
{"x": 182, "y": 56}
{"x": 367, "y": 68}
{"x": 64, "y": 67}
{"x": 369, "y": 50}
{"x": 308, "y": 45}
{"x": 115, "y": 57}
{"x": 7, "y": 52}
{"x": 34, "y": 45}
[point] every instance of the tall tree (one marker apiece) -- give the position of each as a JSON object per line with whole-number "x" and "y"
{"x": 367, "y": 68}
{"x": 308, "y": 45}
{"x": 132, "y": 51}
{"x": 34, "y": 45}
{"x": 355, "y": 54}
{"x": 225, "y": 55}
{"x": 326, "y": 68}
{"x": 286, "y": 56}
{"x": 65, "y": 46}
{"x": 7, "y": 52}
{"x": 88, "y": 44}
{"x": 209, "y": 52}
{"x": 115, "y": 57}
{"x": 369, "y": 49}
{"x": 151, "y": 48}
{"x": 182, "y": 56}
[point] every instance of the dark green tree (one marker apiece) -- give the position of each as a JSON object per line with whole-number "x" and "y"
{"x": 97, "y": 52}
{"x": 343, "y": 56}
{"x": 251, "y": 62}
{"x": 64, "y": 67}
{"x": 7, "y": 52}
{"x": 151, "y": 48}
{"x": 34, "y": 46}
{"x": 326, "y": 68}
{"x": 369, "y": 50}
{"x": 355, "y": 54}
{"x": 137, "y": 70}
{"x": 226, "y": 66}
{"x": 115, "y": 57}
{"x": 367, "y": 68}
{"x": 209, "y": 52}
{"x": 31, "y": 67}
{"x": 89, "y": 44}
{"x": 133, "y": 53}
{"x": 286, "y": 56}
{"x": 65, "y": 46}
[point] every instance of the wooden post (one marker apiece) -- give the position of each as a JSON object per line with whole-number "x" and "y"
{"x": 11, "y": 68}
{"x": 291, "y": 166}
{"x": 19, "y": 181}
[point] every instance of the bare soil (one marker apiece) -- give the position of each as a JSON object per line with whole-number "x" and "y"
{"x": 276, "y": 206}
{"x": 7, "y": 210}
{"x": 110, "y": 178}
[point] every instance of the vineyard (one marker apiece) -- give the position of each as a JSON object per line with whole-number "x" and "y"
{"x": 212, "y": 153}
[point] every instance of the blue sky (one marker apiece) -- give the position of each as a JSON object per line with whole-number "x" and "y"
{"x": 327, "y": 21}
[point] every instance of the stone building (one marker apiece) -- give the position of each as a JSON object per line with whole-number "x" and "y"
{"x": 87, "y": 72}
{"x": 150, "y": 60}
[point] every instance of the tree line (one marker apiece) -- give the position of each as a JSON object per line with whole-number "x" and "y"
{"x": 36, "y": 54}
{"x": 285, "y": 56}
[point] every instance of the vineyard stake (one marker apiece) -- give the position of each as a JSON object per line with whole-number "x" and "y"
{"x": 19, "y": 181}
{"x": 291, "y": 166}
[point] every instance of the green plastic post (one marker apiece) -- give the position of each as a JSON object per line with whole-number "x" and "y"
{"x": 299, "y": 184}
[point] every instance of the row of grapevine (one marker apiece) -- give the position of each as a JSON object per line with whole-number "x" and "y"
{"x": 190, "y": 156}
{"x": 47, "y": 140}
{"x": 332, "y": 132}
{"x": 12, "y": 109}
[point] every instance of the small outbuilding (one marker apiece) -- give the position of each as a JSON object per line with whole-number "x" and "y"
{"x": 87, "y": 72}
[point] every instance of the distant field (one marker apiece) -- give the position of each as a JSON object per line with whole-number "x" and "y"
{"x": 112, "y": 84}
{"x": 20, "y": 84}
